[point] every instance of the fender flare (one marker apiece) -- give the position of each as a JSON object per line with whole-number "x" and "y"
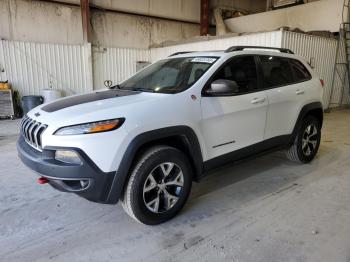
{"x": 122, "y": 174}
{"x": 303, "y": 112}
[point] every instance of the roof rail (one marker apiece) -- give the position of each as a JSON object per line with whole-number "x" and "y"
{"x": 240, "y": 48}
{"x": 181, "y": 53}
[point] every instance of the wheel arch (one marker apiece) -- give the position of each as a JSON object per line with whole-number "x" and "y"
{"x": 180, "y": 137}
{"x": 314, "y": 109}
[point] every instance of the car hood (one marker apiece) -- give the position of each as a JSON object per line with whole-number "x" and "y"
{"x": 90, "y": 107}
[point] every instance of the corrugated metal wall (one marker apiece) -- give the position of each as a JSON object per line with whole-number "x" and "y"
{"x": 31, "y": 67}
{"x": 322, "y": 52}
{"x": 3, "y": 75}
{"x": 272, "y": 39}
{"x": 340, "y": 94}
{"x": 116, "y": 64}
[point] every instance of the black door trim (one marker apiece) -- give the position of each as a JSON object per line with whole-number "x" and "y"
{"x": 268, "y": 145}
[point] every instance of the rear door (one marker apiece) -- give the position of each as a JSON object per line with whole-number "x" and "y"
{"x": 237, "y": 121}
{"x": 286, "y": 93}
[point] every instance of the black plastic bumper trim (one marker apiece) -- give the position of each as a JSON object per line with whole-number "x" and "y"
{"x": 45, "y": 164}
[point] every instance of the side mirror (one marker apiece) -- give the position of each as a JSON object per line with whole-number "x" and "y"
{"x": 223, "y": 87}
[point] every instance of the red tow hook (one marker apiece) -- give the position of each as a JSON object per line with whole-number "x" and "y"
{"x": 43, "y": 180}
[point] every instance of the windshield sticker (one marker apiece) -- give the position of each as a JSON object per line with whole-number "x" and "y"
{"x": 208, "y": 60}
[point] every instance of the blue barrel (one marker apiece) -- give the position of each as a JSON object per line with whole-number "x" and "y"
{"x": 29, "y": 102}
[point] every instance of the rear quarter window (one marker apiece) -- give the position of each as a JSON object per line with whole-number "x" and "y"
{"x": 300, "y": 71}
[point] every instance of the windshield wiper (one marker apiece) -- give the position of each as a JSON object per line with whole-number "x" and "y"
{"x": 141, "y": 89}
{"x": 115, "y": 86}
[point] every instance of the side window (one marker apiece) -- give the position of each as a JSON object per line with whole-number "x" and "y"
{"x": 242, "y": 70}
{"x": 276, "y": 71}
{"x": 300, "y": 71}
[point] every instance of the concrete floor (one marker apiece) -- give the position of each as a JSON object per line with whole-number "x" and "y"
{"x": 267, "y": 209}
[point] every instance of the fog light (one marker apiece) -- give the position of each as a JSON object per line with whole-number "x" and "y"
{"x": 84, "y": 184}
{"x": 68, "y": 156}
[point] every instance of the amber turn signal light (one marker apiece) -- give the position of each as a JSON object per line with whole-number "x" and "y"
{"x": 103, "y": 127}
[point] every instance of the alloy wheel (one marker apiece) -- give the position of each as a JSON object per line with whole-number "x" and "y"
{"x": 163, "y": 187}
{"x": 309, "y": 140}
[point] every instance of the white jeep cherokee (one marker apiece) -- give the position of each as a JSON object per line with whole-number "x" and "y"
{"x": 144, "y": 141}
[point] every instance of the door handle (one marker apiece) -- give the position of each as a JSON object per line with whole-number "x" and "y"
{"x": 258, "y": 100}
{"x": 300, "y": 92}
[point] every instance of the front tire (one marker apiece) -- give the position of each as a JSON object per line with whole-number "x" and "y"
{"x": 159, "y": 185}
{"x": 307, "y": 141}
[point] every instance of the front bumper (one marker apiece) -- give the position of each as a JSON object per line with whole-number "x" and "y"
{"x": 85, "y": 180}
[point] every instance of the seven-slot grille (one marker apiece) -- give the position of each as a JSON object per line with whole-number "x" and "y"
{"x": 31, "y": 131}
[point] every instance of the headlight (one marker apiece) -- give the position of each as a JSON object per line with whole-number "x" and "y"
{"x": 68, "y": 156}
{"x": 90, "y": 128}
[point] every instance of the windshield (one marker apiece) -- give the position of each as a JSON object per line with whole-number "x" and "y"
{"x": 170, "y": 75}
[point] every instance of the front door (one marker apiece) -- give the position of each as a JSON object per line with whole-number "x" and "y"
{"x": 233, "y": 122}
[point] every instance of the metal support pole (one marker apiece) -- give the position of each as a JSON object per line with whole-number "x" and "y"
{"x": 334, "y": 71}
{"x": 268, "y": 5}
{"x": 204, "y": 19}
{"x": 85, "y": 16}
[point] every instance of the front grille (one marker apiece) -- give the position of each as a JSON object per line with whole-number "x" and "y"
{"x": 32, "y": 130}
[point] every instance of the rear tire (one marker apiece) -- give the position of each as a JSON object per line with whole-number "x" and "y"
{"x": 306, "y": 142}
{"x": 159, "y": 185}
